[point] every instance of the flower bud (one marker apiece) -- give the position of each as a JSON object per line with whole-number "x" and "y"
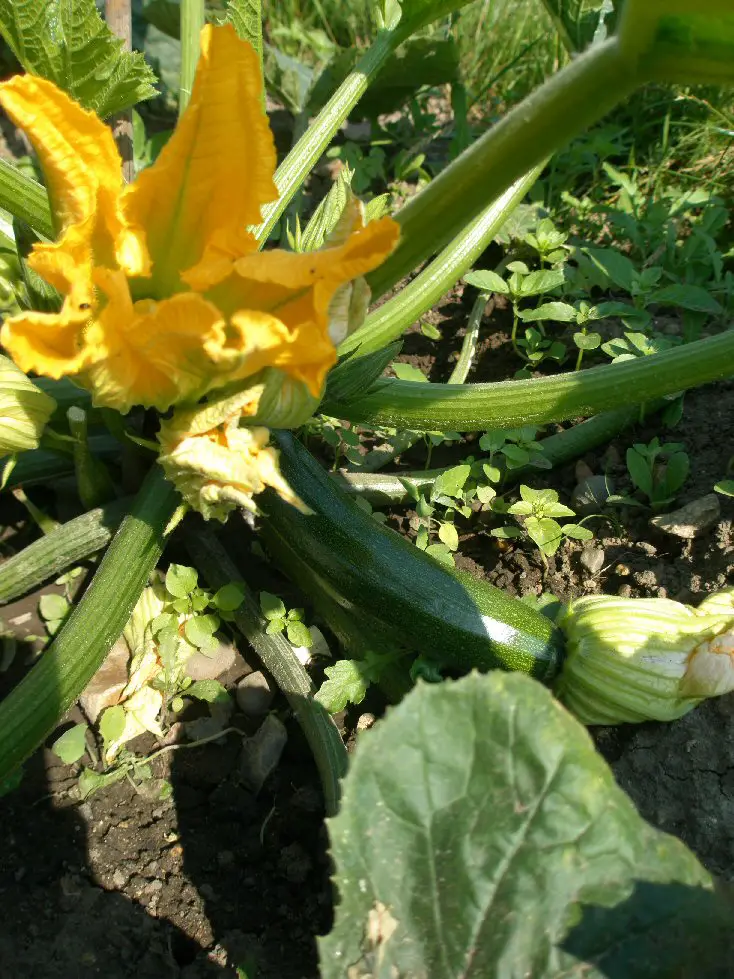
{"x": 634, "y": 659}
{"x": 24, "y": 410}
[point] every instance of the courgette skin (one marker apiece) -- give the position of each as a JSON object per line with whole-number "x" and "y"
{"x": 447, "y": 614}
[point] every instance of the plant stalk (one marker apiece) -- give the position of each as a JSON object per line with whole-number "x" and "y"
{"x": 278, "y": 658}
{"x": 305, "y": 154}
{"x": 509, "y": 404}
{"x": 192, "y": 22}
{"x": 118, "y": 14}
{"x": 34, "y": 707}
{"x": 567, "y": 103}
{"x": 390, "y": 320}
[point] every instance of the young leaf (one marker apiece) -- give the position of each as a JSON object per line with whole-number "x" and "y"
{"x": 616, "y": 266}
{"x": 229, "y": 597}
{"x": 504, "y": 823}
{"x": 199, "y": 629}
{"x": 271, "y": 606}
{"x": 440, "y": 553}
{"x": 346, "y": 684}
{"x": 587, "y": 341}
{"x": 298, "y": 634}
{"x": 181, "y": 580}
{"x": 406, "y": 372}
{"x": 451, "y": 482}
{"x": 53, "y": 606}
{"x": 71, "y": 745}
{"x": 449, "y": 536}
{"x": 639, "y": 470}
{"x": 112, "y": 723}
{"x": 687, "y": 297}
{"x": 542, "y": 281}
{"x": 211, "y": 691}
{"x": 487, "y": 281}
{"x": 71, "y": 45}
{"x": 558, "y": 312}
{"x": 577, "y": 532}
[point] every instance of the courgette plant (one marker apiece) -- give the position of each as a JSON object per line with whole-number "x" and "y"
{"x": 157, "y": 294}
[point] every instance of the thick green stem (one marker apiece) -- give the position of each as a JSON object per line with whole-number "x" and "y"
{"x": 507, "y": 404}
{"x": 390, "y": 320}
{"x": 385, "y": 489}
{"x": 26, "y": 199}
{"x": 72, "y": 542}
{"x": 32, "y": 710}
{"x": 278, "y": 658}
{"x": 192, "y": 21}
{"x": 303, "y": 157}
{"x": 566, "y": 104}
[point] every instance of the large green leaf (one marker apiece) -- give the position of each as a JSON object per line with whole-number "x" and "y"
{"x": 580, "y": 21}
{"x": 247, "y": 18}
{"x": 680, "y": 40}
{"x": 68, "y": 42}
{"x": 477, "y": 821}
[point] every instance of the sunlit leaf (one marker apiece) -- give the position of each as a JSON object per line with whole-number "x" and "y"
{"x": 71, "y": 45}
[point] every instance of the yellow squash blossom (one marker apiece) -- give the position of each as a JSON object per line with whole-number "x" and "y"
{"x": 165, "y": 294}
{"x": 215, "y": 464}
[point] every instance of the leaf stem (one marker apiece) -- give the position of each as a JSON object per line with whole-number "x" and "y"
{"x": 572, "y": 99}
{"x": 390, "y": 320}
{"x": 509, "y": 404}
{"x": 303, "y": 157}
{"x": 34, "y": 707}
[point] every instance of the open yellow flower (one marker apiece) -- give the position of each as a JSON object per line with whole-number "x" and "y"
{"x": 166, "y": 295}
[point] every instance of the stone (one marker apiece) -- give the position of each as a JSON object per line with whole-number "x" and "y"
{"x": 105, "y": 687}
{"x": 592, "y": 558}
{"x": 254, "y": 695}
{"x": 591, "y": 494}
{"x": 205, "y": 666}
{"x": 691, "y": 520}
{"x": 261, "y": 753}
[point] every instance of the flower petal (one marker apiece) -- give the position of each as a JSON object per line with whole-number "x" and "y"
{"x": 82, "y": 168}
{"x": 215, "y": 172}
{"x": 148, "y": 353}
{"x": 298, "y": 290}
{"x": 47, "y": 343}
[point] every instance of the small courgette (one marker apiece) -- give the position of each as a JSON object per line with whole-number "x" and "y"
{"x": 371, "y": 571}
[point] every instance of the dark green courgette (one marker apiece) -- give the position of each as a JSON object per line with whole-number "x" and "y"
{"x": 371, "y": 571}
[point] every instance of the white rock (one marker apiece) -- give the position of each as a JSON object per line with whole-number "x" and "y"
{"x": 254, "y": 695}
{"x": 205, "y": 666}
{"x": 592, "y": 558}
{"x": 691, "y": 520}
{"x": 105, "y": 687}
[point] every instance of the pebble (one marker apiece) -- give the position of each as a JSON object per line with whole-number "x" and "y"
{"x": 105, "y": 687}
{"x": 691, "y": 520}
{"x": 592, "y": 558}
{"x": 254, "y": 695}
{"x": 203, "y": 666}
{"x": 591, "y": 494}
{"x": 261, "y": 753}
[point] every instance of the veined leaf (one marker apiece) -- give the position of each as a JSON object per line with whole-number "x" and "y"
{"x": 580, "y": 22}
{"x": 69, "y": 43}
{"x": 494, "y": 824}
{"x": 247, "y": 19}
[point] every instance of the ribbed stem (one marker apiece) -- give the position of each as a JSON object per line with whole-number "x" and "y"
{"x": 392, "y": 319}
{"x": 508, "y": 404}
{"x": 192, "y": 21}
{"x": 305, "y": 154}
{"x": 566, "y": 104}
{"x": 26, "y": 199}
{"x": 51, "y": 555}
{"x": 31, "y": 710}
{"x": 278, "y": 658}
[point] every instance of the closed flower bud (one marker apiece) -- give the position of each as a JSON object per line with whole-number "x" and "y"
{"x": 633, "y": 660}
{"x": 24, "y": 410}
